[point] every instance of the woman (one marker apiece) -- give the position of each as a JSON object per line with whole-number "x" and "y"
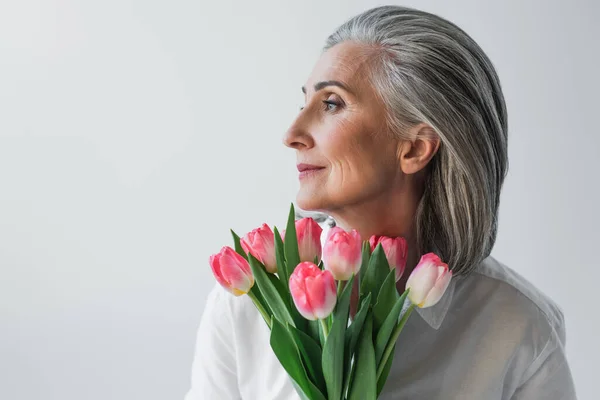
{"x": 404, "y": 133}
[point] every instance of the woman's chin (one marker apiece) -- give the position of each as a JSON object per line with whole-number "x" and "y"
{"x": 310, "y": 201}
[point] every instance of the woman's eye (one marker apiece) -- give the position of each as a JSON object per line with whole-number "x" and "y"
{"x": 330, "y": 105}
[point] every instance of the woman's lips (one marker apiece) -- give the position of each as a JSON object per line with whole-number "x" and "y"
{"x": 309, "y": 173}
{"x": 308, "y": 170}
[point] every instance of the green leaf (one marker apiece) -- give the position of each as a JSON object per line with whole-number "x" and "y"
{"x": 313, "y": 328}
{"x": 388, "y": 352}
{"x": 271, "y": 295}
{"x": 283, "y": 293}
{"x": 290, "y": 244}
{"x": 366, "y": 256}
{"x": 237, "y": 245}
{"x": 333, "y": 351}
{"x": 377, "y": 271}
{"x": 311, "y": 356}
{"x": 261, "y": 299}
{"x": 388, "y": 294}
{"x": 364, "y": 384}
{"x": 385, "y": 373}
{"x": 357, "y": 324}
{"x": 287, "y": 352}
{"x": 353, "y": 334}
{"x": 284, "y": 277}
{"x": 282, "y": 270}
{"x": 383, "y": 336}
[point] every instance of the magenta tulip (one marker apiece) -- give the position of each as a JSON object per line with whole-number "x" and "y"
{"x": 260, "y": 242}
{"x": 313, "y": 291}
{"x": 342, "y": 253}
{"x": 395, "y": 250}
{"x": 232, "y": 271}
{"x": 428, "y": 281}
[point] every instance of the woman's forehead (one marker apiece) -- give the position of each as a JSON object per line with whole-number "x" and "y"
{"x": 344, "y": 62}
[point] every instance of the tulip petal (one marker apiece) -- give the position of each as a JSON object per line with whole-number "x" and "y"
{"x": 260, "y": 242}
{"x": 438, "y": 290}
{"x": 232, "y": 271}
{"x": 215, "y": 266}
{"x": 235, "y": 275}
{"x": 395, "y": 252}
{"x": 315, "y": 294}
{"x": 309, "y": 239}
{"x": 313, "y": 291}
{"x": 342, "y": 253}
{"x": 299, "y": 293}
{"x": 322, "y": 294}
{"x": 420, "y": 282}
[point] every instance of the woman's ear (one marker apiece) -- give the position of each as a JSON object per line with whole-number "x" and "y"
{"x": 415, "y": 154}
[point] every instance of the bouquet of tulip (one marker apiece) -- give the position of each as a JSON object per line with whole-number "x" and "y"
{"x": 303, "y": 292}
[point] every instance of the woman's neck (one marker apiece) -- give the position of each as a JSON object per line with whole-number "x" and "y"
{"x": 386, "y": 219}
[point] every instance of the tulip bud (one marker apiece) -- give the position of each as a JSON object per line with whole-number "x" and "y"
{"x": 428, "y": 281}
{"x": 232, "y": 271}
{"x": 395, "y": 250}
{"x": 313, "y": 291}
{"x": 260, "y": 242}
{"x": 309, "y": 232}
{"x": 342, "y": 253}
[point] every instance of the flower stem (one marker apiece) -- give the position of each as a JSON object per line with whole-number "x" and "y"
{"x": 261, "y": 309}
{"x": 393, "y": 339}
{"x": 340, "y": 288}
{"x": 325, "y": 328}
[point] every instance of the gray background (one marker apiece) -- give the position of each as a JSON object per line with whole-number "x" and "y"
{"x": 134, "y": 134}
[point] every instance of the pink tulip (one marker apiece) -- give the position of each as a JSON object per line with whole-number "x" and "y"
{"x": 395, "y": 250}
{"x": 428, "y": 281}
{"x": 232, "y": 271}
{"x": 313, "y": 291}
{"x": 309, "y": 232}
{"x": 342, "y": 253}
{"x": 260, "y": 242}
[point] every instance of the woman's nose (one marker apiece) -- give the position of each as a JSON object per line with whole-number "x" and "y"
{"x": 296, "y": 137}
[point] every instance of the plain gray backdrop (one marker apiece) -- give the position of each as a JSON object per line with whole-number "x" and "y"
{"x": 135, "y": 134}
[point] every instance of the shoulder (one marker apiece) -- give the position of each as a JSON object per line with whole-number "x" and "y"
{"x": 512, "y": 290}
{"x": 236, "y": 314}
{"x": 518, "y": 316}
{"x": 227, "y": 306}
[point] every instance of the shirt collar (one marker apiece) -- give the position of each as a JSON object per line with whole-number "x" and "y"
{"x": 435, "y": 315}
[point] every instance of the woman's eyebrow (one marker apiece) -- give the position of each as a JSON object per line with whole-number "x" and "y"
{"x": 323, "y": 84}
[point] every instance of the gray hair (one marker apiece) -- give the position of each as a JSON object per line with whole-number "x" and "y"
{"x": 426, "y": 69}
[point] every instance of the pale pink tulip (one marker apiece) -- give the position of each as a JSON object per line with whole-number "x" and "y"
{"x": 428, "y": 281}
{"x": 309, "y": 232}
{"x": 342, "y": 253}
{"x": 313, "y": 291}
{"x": 260, "y": 242}
{"x": 232, "y": 271}
{"x": 395, "y": 250}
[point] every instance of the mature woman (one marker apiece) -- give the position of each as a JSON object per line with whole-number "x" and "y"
{"x": 404, "y": 133}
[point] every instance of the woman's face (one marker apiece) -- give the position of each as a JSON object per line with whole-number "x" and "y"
{"x": 341, "y": 135}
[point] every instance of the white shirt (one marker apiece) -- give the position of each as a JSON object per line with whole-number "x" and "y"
{"x": 493, "y": 336}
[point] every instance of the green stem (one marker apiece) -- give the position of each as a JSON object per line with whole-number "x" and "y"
{"x": 325, "y": 328}
{"x": 393, "y": 338}
{"x": 340, "y": 288}
{"x": 261, "y": 309}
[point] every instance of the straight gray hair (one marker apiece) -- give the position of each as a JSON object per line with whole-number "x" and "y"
{"x": 427, "y": 69}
